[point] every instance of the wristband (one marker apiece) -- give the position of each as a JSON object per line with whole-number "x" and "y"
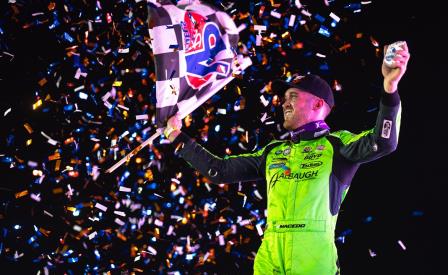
{"x": 168, "y": 131}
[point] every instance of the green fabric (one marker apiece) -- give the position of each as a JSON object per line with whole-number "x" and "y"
{"x": 299, "y": 238}
{"x": 347, "y": 137}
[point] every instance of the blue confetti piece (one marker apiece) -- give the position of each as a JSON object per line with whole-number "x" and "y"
{"x": 68, "y": 253}
{"x": 73, "y": 260}
{"x": 68, "y": 108}
{"x": 346, "y": 232}
{"x": 31, "y": 240}
{"x": 233, "y": 139}
{"x": 324, "y": 31}
{"x": 68, "y": 37}
{"x": 340, "y": 239}
{"x": 89, "y": 115}
{"x": 353, "y": 6}
{"x": 319, "y": 18}
{"x": 6, "y": 159}
{"x": 324, "y": 67}
{"x": 417, "y": 213}
{"x": 286, "y": 23}
{"x": 54, "y": 25}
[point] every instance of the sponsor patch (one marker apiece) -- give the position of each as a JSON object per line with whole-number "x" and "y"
{"x": 312, "y": 156}
{"x": 320, "y": 147}
{"x": 279, "y": 160}
{"x": 307, "y": 149}
{"x": 295, "y": 225}
{"x": 387, "y": 127}
{"x": 276, "y": 165}
{"x": 287, "y": 151}
{"x": 309, "y": 165}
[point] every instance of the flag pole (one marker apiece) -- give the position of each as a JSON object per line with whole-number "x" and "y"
{"x": 135, "y": 151}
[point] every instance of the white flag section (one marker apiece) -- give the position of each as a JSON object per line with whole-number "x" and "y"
{"x": 195, "y": 56}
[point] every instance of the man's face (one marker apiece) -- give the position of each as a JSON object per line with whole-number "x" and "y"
{"x": 297, "y": 108}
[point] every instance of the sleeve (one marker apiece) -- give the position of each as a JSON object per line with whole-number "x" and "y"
{"x": 245, "y": 167}
{"x": 378, "y": 141}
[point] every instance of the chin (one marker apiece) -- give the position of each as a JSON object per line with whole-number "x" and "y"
{"x": 288, "y": 126}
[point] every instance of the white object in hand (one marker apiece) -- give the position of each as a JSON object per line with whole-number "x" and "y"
{"x": 391, "y": 52}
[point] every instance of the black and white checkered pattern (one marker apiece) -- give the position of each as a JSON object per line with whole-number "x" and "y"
{"x": 169, "y": 45}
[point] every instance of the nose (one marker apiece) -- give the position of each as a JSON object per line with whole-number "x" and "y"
{"x": 285, "y": 103}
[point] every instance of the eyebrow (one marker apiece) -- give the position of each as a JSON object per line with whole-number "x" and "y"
{"x": 291, "y": 93}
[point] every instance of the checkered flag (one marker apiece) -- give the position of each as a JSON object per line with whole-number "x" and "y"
{"x": 194, "y": 54}
{"x": 194, "y": 58}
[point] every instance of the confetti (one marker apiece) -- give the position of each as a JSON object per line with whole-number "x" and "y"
{"x": 7, "y": 112}
{"x": 401, "y": 245}
{"x": 95, "y": 104}
{"x": 101, "y": 207}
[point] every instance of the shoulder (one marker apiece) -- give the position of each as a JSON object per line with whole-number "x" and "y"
{"x": 260, "y": 152}
{"x": 347, "y": 137}
{"x": 271, "y": 145}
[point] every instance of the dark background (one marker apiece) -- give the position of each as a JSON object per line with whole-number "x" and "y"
{"x": 402, "y": 193}
{"x": 412, "y": 178}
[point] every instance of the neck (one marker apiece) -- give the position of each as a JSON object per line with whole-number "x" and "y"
{"x": 310, "y": 131}
{"x": 311, "y": 125}
{"x": 310, "y": 118}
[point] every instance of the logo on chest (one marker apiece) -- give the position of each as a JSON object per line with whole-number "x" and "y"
{"x": 312, "y": 156}
{"x": 288, "y": 175}
{"x": 309, "y": 165}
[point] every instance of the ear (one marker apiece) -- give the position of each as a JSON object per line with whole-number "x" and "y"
{"x": 319, "y": 103}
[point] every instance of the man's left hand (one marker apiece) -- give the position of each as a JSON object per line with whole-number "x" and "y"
{"x": 393, "y": 73}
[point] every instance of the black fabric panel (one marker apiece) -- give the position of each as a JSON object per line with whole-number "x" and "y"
{"x": 179, "y": 37}
{"x": 164, "y": 113}
{"x": 341, "y": 177}
{"x": 186, "y": 91}
{"x": 167, "y": 65}
{"x": 158, "y": 16}
{"x": 343, "y": 169}
{"x": 218, "y": 170}
{"x": 336, "y": 191}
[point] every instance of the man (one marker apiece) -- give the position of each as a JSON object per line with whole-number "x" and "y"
{"x": 308, "y": 176}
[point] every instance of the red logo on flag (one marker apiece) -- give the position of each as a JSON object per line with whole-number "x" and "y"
{"x": 202, "y": 43}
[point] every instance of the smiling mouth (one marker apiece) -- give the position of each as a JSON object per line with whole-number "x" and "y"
{"x": 287, "y": 113}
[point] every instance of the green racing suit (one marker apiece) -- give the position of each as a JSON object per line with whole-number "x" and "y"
{"x": 307, "y": 179}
